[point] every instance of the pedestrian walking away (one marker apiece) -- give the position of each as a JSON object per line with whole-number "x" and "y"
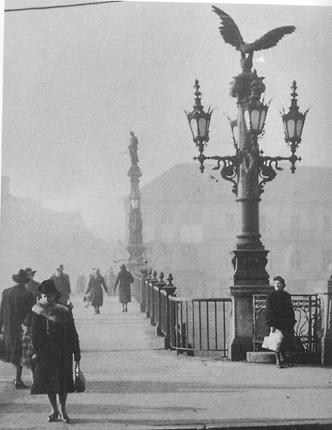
{"x": 280, "y": 318}
{"x": 62, "y": 284}
{"x": 55, "y": 341}
{"x": 15, "y": 308}
{"x": 94, "y": 292}
{"x": 32, "y": 285}
{"x": 124, "y": 279}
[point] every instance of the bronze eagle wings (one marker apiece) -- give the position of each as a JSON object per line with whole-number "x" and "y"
{"x": 231, "y": 35}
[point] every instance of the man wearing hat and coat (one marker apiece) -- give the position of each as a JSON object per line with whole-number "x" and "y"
{"x": 32, "y": 285}
{"x": 16, "y": 305}
{"x": 124, "y": 279}
{"x": 62, "y": 284}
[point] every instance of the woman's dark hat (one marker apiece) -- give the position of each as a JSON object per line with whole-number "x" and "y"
{"x": 21, "y": 277}
{"x": 123, "y": 266}
{"x": 48, "y": 287}
{"x": 29, "y": 270}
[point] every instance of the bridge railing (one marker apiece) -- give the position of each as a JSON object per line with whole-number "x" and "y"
{"x": 192, "y": 325}
{"x": 189, "y": 325}
{"x": 308, "y": 327}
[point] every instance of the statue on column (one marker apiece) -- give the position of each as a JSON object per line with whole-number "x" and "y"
{"x": 133, "y": 149}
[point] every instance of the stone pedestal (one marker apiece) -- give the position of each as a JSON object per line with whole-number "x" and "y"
{"x": 242, "y": 328}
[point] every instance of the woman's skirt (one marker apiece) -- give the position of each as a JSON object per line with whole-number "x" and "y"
{"x": 53, "y": 374}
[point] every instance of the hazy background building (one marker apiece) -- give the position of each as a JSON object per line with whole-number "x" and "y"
{"x": 33, "y": 236}
{"x": 190, "y": 224}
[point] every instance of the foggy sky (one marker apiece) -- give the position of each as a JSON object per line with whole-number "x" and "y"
{"x": 77, "y": 80}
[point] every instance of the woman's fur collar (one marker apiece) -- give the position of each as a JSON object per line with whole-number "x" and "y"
{"x": 57, "y": 313}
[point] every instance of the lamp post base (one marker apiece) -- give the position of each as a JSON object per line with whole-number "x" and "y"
{"x": 250, "y": 267}
{"x": 242, "y": 318}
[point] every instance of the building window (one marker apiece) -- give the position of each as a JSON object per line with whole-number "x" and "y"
{"x": 191, "y": 234}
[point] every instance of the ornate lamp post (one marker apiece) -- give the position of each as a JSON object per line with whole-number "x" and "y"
{"x": 135, "y": 246}
{"x": 248, "y": 170}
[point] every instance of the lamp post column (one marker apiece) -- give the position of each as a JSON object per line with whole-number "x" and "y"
{"x": 250, "y": 257}
{"x": 135, "y": 246}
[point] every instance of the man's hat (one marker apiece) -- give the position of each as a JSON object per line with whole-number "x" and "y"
{"x": 21, "y": 277}
{"x": 48, "y": 287}
{"x": 60, "y": 267}
{"x": 29, "y": 270}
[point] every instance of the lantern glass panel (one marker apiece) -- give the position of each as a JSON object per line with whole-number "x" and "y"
{"x": 262, "y": 120}
{"x": 201, "y": 127}
{"x": 247, "y": 119}
{"x": 299, "y": 126}
{"x": 134, "y": 203}
{"x": 193, "y": 127}
{"x": 254, "y": 115}
{"x": 291, "y": 128}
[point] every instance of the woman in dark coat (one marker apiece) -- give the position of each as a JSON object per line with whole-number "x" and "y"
{"x": 55, "y": 341}
{"x": 94, "y": 291}
{"x": 279, "y": 315}
{"x": 124, "y": 279}
{"x": 16, "y": 305}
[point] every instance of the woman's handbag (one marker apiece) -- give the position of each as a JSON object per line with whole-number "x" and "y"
{"x": 273, "y": 340}
{"x": 79, "y": 380}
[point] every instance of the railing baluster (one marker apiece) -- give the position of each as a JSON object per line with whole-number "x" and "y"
{"x": 216, "y": 324}
{"x": 200, "y": 324}
{"x": 187, "y": 334}
{"x": 224, "y": 328}
{"x": 193, "y": 321}
{"x": 207, "y": 326}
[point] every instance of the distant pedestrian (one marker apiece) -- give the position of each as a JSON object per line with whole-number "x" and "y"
{"x": 15, "y": 308}
{"x": 110, "y": 280}
{"x": 62, "y": 284}
{"x": 81, "y": 284}
{"x": 280, "y": 317}
{"x": 124, "y": 279}
{"x": 94, "y": 291}
{"x": 55, "y": 341}
{"x": 32, "y": 285}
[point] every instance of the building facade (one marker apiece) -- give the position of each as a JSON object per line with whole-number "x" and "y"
{"x": 190, "y": 222}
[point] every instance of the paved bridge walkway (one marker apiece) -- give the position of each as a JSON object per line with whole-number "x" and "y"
{"x": 134, "y": 383}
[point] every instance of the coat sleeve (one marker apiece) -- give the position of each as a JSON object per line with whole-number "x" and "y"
{"x": 269, "y": 312}
{"x": 102, "y": 280}
{"x": 2, "y": 306}
{"x": 88, "y": 288}
{"x": 75, "y": 340}
{"x": 36, "y": 332}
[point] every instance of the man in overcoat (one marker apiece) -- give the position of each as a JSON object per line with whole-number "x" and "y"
{"x": 32, "y": 285}
{"x": 16, "y": 305}
{"x": 279, "y": 315}
{"x": 124, "y": 279}
{"x": 62, "y": 284}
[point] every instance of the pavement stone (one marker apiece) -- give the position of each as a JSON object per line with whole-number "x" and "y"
{"x": 133, "y": 383}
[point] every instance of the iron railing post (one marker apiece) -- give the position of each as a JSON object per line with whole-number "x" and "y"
{"x": 170, "y": 316}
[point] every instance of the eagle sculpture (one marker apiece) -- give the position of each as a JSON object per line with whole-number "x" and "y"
{"x": 231, "y": 34}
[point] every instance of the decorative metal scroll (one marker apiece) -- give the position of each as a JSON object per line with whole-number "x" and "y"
{"x": 308, "y": 327}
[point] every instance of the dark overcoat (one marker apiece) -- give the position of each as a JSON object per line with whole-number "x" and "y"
{"x": 55, "y": 341}
{"x": 62, "y": 284}
{"x": 124, "y": 279}
{"x": 279, "y": 311}
{"x": 16, "y": 305}
{"x": 94, "y": 290}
